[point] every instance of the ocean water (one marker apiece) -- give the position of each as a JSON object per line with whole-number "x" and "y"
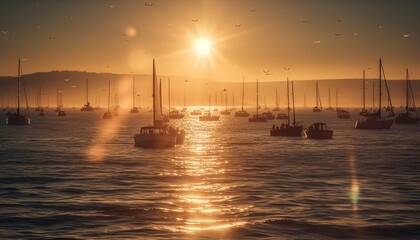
{"x": 80, "y": 177}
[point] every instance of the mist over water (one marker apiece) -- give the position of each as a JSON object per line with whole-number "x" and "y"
{"x": 81, "y": 177}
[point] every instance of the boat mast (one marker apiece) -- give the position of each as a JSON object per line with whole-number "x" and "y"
{"x": 243, "y": 92}
{"x": 226, "y": 99}
{"x": 277, "y": 100}
{"x": 364, "y": 90}
{"x": 406, "y": 90}
{"x": 87, "y": 91}
{"x": 316, "y": 88}
{"x": 336, "y": 99}
{"x": 209, "y": 103}
{"x": 304, "y": 100}
{"x": 216, "y": 99}
{"x": 413, "y": 102}
{"x": 109, "y": 93}
{"x": 169, "y": 94}
{"x": 154, "y": 75}
{"x": 329, "y": 98}
{"x": 288, "y": 103}
{"x": 293, "y": 103}
{"x": 18, "y": 87}
{"x": 160, "y": 93}
{"x": 373, "y": 94}
{"x": 380, "y": 86}
{"x": 134, "y": 94}
{"x": 257, "y": 97}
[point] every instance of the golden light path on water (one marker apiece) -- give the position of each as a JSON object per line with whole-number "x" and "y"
{"x": 203, "y": 198}
{"x": 355, "y": 188}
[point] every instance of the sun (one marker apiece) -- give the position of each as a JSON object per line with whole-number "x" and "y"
{"x": 203, "y": 46}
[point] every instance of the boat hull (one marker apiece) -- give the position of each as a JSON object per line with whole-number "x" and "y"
{"x": 324, "y": 134}
{"x": 241, "y": 114}
{"x": 154, "y": 140}
{"x": 19, "y": 120}
{"x": 291, "y": 131}
{"x": 374, "y": 123}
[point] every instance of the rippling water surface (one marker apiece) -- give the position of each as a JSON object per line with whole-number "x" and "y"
{"x": 80, "y": 177}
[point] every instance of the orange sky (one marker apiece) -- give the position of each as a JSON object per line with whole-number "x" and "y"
{"x": 316, "y": 39}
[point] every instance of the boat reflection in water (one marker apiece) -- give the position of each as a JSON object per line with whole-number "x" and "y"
{"x": 159, "y": 135}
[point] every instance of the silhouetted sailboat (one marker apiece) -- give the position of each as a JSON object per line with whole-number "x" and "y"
{"x": 329, "y": 108}
{"x": 158, "y": 135}
{"x": 318, "y": 131}
{"x": 60, "y": 112}
{"x": 17, "y": 118}
{"x": 173, "y": 114}
{"x": 364, "y": 111}
{"x": 289, "y": 130}
{"x": 257, "y": 117}
{"x": 318, "y": 100}
{"x": 277, "y": 108}
{"x": 108, "y": 114}
{"x": 407, "y": 117}
{"x": 375, "y": 120}
{"x": 87, "y": 107}
{"x": 226, "y": 111}
{"x": 242, "y": 112}
{"x": 134, "y": 109}
{"x": 207, "y": 116}
{"x": 341, "y": 113}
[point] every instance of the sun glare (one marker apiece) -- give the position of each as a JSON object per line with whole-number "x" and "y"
{"x": 203, "y": 46}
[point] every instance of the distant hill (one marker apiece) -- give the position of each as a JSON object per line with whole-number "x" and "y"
{"x": 73, "y": 84}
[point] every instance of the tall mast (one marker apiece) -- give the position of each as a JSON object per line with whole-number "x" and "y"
{"x": 226, "y": 99}
{"x": 329, "y": 97}
{"x": 277, "y": 100}
{"x": 233, "y": 99}
{"x": 154, "y": 75}
{"x": 160, "y": 93}
{"x": 169, "y": 94}
{"x": 18, "y": 87}
{"x": 257, "y": 96}
{"x": 304, "y": 99}
{"x": 293, "y": 103}
{"x": 288, "y": 103}
{"x": 406, "y": 90}
{"x": 317, "y": 94}
{"x": 336, "y": 99}
{"x": 364, "y": 90}
{"x": 185, "y": 94}
{"x": 373, "y": 94}
{"x": 134, "y": 93}
{"x": 380, "y": 86}
{"x": 243, "y": 92}
{"x": 87, "y": 91}
{"x": 216, "y": 99}
{"x": 109, "y": 93}
{"x": 209, "y": 102}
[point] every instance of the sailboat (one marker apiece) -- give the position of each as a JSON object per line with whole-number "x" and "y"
{"x": 242, "y": 112}
{"x": 329, "y": 108}
{"x": 208, "y": 116}
{"x": 226, "y": 111}
{"x": 407, "y": 117}
{"x": 39, "y": 100}
{"x": 108, "y": 114}
{"x": 293, "y": 130}
{"x": 134, "y": 109}
{"x": 87, "y": 107}
{"x": 158, "y": 135}
{"x": 318, "y": 100}
{"x": 17, "y": 118}
{"x": 277, "y": 108}
{"x": 375, "y": 120}
{"x": 174, "y": 114}
{"x": 60, "y": 113}
{"x": 341, "y": 113}
{"x": 363, "y": 111}
{"x": 257, "y": 117}
{"x": 184, "y": 109}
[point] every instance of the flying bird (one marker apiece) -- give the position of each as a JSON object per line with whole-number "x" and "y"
{"x": 70, "y": 17}
{"x": 406, "y": 35}
{"x": 4, "y": 32}
{"x": 66, "y": 79}
{"x": 337, "y": 34}
{"x": 194, "y": 20}
{"x": 267, "y": 72}
{"x": 108, "y": 67}
{"x": 286, "y": 68}
{"x": 169, "y": 23}
{"x": 111, "y": 6}
{"x": 52, "y": 37}
{"x": 186, "y": 80}
{"x": 316, "y": 41}
{"x": 73, "y": 86}
{"x": 380, "y": 26}
{"x": 369, "y": 68}
{"x": 148, "y": 4}
{"x": 355, "y": 34}
{"x": 339, "y": 20}
{"x": 252, "y": 10}
{"x": 304, "y": 21}
{"x": 37, "y": 26}
{"x": 238, "y": 25}
{"x": 225, "y": 90}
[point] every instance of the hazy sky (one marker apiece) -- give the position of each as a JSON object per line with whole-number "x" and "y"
{"x": 316, "y": 39}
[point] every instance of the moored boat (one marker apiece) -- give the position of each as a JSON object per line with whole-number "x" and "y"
{"x": 318, "y": 131}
